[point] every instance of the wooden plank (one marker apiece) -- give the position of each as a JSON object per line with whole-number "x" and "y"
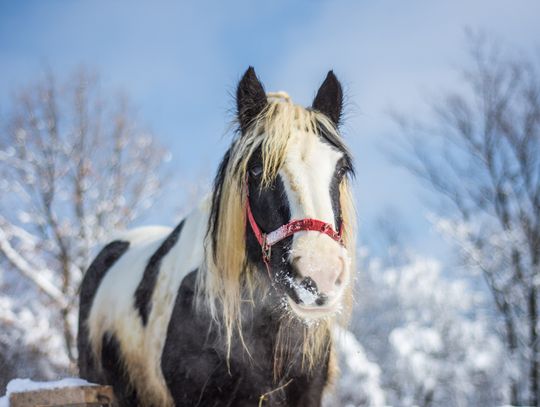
{"x": 75, "y": 396}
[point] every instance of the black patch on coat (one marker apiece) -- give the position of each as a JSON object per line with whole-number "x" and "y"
{"x": 250, "y": 99}
{"x": 336, "y": 141}
{"x": 114, "y": 372}
{"x": 216, "y": 201}
{"x": 270, "y": 208}
{"x": 329, "y": 99}
{"x": 194, "y": 359}
{"x": 343, "y": 169}
{"x": 145, "y": 289}
{"x": 335, "y": 197}
{"x": 106, "y": 258}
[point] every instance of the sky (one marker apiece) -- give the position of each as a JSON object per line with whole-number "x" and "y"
{"x": 180, "y": 62}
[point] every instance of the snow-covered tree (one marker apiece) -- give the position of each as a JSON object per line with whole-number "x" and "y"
{"x": 429, "y": 335}
{"x": 74, "y": 165}
{"x": 358, "y": 383}
{"x": 481, "y": 151}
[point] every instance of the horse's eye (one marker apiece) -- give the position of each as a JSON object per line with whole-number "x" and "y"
{"x": 255, "y": 171}
{"x": 342, "y": 171}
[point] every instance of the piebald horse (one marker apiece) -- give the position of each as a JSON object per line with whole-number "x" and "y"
{"x": 235, "y": 305}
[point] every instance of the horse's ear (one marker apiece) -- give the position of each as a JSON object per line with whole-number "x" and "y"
{"x": 250, "y": 99}
{"x": 329, "y": 99}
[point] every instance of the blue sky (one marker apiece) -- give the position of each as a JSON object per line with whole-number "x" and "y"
{"x": 180, "y": 61}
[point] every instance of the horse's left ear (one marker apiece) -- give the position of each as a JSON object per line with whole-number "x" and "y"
{"x": 329, "y": 99}
{"x": 250, "y": 99}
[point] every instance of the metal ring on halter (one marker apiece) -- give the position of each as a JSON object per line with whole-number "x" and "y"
{"x": 266, "y": 249}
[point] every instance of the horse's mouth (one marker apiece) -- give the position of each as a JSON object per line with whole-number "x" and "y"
{"x": 314, "y": 311}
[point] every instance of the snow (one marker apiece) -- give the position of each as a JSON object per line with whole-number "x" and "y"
{"x": 431, "y": 335}
{"x": 20, "y": 385}
{"x": 308, "y": 297}
{"x": 359, "y": 381}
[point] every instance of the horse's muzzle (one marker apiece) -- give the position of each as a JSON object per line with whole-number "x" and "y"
{"x": 321, "y": 269}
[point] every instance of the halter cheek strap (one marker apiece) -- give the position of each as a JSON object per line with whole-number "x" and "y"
{"x": 267, "y": 240}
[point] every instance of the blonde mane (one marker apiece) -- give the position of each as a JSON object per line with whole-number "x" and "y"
{"x": 228, "y": 280}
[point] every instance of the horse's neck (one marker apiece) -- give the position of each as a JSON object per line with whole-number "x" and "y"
{"x": 267, "y": 327}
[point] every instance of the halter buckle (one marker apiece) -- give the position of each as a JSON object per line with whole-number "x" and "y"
{"x": 266, "y": 249}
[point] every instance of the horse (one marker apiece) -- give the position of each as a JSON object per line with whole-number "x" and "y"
{"x": 236, "y": 305}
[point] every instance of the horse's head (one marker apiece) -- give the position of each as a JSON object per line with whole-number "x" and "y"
{"x": 298, "y": 171}
{"x": 282, "y": 201}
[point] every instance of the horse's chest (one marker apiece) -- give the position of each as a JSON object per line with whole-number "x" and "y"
{"x": 196, "y": 367}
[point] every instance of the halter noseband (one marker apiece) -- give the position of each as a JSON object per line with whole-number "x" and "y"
{"x": 267, "y": 240}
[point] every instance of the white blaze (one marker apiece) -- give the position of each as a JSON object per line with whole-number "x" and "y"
{"x": 307, "y": 173}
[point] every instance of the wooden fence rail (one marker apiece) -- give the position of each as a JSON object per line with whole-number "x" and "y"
{"x": 75, "y": 396}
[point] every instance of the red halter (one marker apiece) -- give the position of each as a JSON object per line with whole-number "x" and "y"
{"x": 267, "y": 240}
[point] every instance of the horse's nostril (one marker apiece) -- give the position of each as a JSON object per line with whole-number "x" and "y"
{"x": 321, "y": 300}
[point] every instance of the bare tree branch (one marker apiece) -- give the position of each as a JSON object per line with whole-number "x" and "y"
{"x": 481, "y": 152}
{"x": 75, "y": 164}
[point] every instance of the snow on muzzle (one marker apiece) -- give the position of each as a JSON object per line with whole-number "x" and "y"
{"x": 322, "y": 270}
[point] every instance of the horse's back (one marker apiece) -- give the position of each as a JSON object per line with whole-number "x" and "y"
{"x": 111, "y": 279}
{"x": 119, "y": 281}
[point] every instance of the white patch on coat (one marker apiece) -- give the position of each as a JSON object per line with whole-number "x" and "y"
{"x": 114, "y": 310}
{"x": 307, "y": 174}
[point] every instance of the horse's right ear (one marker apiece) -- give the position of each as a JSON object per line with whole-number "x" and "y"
{"x": 250, "y": 99}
